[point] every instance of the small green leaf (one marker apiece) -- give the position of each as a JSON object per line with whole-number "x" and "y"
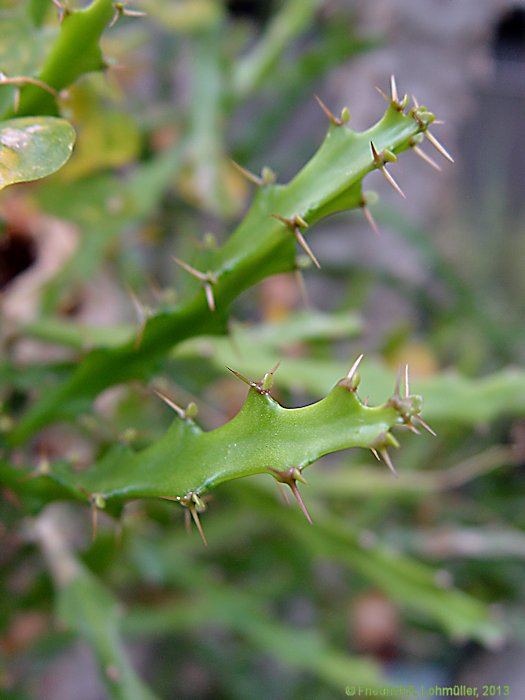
{"x": 33, "y": 147}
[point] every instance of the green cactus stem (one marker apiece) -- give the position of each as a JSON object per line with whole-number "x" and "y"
{"x": 263, "y": 438}
{"x": 263, "y": 244}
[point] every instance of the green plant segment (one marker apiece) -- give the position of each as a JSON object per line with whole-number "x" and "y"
{"x": 263, "y": 244}
{"x": 264, "y": 437}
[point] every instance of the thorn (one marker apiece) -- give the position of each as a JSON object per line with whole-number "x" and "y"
{"x": 16, "y": 100}
{"x": 122, "y": 10}
{"x": 336, "y": 121}
{"x": 388, "y": 461}
{"x": 294, "y": 225}
{"x": 397, "y": 387}
{"x": 196, "y": 520}
{"x": 375, "y": 453}
{"x": 425, "y": 425}
{"x": 353, "y": 369}
{"x": 380, "y": 163}
{"x": 195, "y": 273}
{"x": 208, "y": 278}
{"x": 407, "y": 385}
{"x": 304, "y": 245}
{"x": 97, "y": 502}
{"x": 208, "y": 290}
{"x": 382, "y": 93}
{"x": 241, "y": 377}
{"x": 426, "y": 158}
{"x": 142, "y": 317}
{"x": 187, "y": 520}
{"x": 370, "y": 219}
{"x": 393, "y": 89}
{"x": 392, "y": 182}
{"x": 290, "y": 478}
{"x": 303, "y": 291}
{"x": 267, "y": 380}
{"x": 178, "y": 410}
{"x": 393, "y": 98}
{"x": 249, "y": 175}
{"x": 433, "y": 140}
{"x": 300, "y": 501}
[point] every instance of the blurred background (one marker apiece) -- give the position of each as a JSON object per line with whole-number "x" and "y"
{"x": 411, "y": 581}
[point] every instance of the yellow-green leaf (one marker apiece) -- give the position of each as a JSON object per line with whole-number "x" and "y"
{"x": 33, "y": 147}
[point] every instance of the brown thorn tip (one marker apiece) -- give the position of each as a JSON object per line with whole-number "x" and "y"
{"x": 304, "y": 245}
{"x": 300, "y": 501}
{"x": 425, "y": 425}
{"x": 393, "y": 89}
{"x": 333, "y": 119}
{"x": 275, "y": 368}
{"x": 370, "y": 219}
{"x": 353, "y": 368}
{"x": 388, "y": 461}
{"x": 240, "y": 376}
{"x": 407, "y": 385}
{"x": 397, "y": 387}
{"x": 375, "y": 453}
{"x": 196, "y": 273}
{"x": 433, "y": 140}
{"x": 392, "y": 182}
{"x": 382, "y": 93}
{"x": 210, "y": 300}
{"x": 248, "y": 175}
{"x": 170, "y": 403}
{"x": 426, "y": 158}
{"x": 197, "y": 522}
